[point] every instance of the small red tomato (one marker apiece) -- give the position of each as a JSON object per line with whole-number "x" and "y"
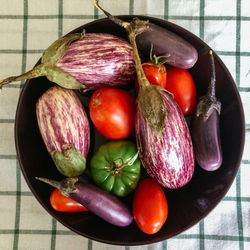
{"x": 63, "y": 203}
{"x": 180, "y": 83}
{"x": 112, "y": 111}
{"x": 150, "y": 208}
{"x": 155, "y": 73}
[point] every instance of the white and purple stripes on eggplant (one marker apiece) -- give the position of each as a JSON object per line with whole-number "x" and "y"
{"x": 98, "y": 59}
{"x": 62, "y": 120}
{"x": 169, "y": 159}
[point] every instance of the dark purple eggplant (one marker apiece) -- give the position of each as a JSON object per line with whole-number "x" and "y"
{"x": 177, "y": 51}
{"x": 84, "y": 61}
{"x": 98, "y": 201}
{"x": 162, "y": 135}
{"x": 205, "y": 127}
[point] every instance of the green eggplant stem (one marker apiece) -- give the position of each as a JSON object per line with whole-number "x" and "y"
{"x": 48, "y": 66}
{"x": 65, "y": 186}
{"x": 53, "y": 183}
{"x": 150, "y": 101}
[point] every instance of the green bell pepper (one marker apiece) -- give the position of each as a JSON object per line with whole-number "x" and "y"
{"x": 116, "y": 167}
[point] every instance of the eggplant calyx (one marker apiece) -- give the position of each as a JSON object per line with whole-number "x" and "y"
{"x": 65, "y": 186}
{"x": 70, "y": 162}
{"x": 139, "y": 26}
{"x": 209, "y": 102}
{"x": 51, "y": 56}
{"x": 153, "y": 107}
{"x": 206, "y": 106}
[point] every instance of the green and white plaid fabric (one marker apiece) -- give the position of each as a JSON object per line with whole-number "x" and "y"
{"x": 27, "y": 27}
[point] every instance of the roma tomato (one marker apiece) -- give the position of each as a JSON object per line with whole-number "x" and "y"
{"x": 155, "y": 73}
{"x": 63, "y": 203}
{"x": 112, "y": 111}
{"x": 116, "y": 167}
{"x": 180, "y": 83}
{"x": 150, "y": 208}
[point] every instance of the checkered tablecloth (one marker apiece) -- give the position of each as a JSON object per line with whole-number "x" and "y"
{"x": 27, "y": 27}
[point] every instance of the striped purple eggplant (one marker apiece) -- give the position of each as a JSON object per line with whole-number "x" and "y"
{"x": 168, "y": 158}
{"x": 64, "y": 128}
{"x": 99, "y": 60}
{"x": 85, "y": 61}
{"x": 162, "y": 135}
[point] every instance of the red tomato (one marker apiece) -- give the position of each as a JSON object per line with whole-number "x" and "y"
{"x": 180, "y": 83}
{"x": 63, "y": 203}
{"x": 150, "y": 208}
{"x": 156, "y": 75}
{"x": 112, "y": 111}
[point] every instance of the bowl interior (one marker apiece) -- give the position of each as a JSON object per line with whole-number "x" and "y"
{"x": 187, "y": 205}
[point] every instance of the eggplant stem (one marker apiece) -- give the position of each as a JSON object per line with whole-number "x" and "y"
{"x": 52, "y": 183}
{"x": 65, "y": 186}
{"x": 131, "y": 35}
{"x": 211, "y": 88}
{"x": 150, "y": 100}
{"x": 112, "y": 18}
{"x": 39, "y": 70}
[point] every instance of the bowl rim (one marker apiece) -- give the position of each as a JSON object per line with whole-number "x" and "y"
{"x": 194, "y": 222}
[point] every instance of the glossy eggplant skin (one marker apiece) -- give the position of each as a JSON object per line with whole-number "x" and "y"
{"x": 99, "y": 60}
{"x": 178, "y": 52}
{"x": 205, "y": 127}
{"x": 85, "y": 62}
{"x": 206, "y": 138}
{"x": 96, "y": 200}
{"x": 103, "y": 204}
{"x": 168, "y": 158}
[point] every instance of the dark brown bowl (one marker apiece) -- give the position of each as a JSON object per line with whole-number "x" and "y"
{"x": 187, "y": 205}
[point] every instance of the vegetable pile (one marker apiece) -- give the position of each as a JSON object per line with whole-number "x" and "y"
{"x": 139, "y": 107}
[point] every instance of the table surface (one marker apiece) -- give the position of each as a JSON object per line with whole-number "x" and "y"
{"x": 28, "y": 27}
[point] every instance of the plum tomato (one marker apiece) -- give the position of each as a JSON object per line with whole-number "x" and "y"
{"x": 180, "y": 83}
{"x": 156, "y": 74}
{"x": 150, "y": 208}
{"x": 112, "y": 112}
{"x": 63, "y": 203}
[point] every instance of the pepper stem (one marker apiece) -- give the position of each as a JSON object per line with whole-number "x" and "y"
{"x": 116, "y": 166}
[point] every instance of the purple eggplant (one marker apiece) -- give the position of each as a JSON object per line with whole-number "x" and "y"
{"x": 64, "y": 127}
{"x": 85, "y": 61}
{"x": 168, "y": 158}
{"x": 205, "y": 127}
{"x": 162, "y": 135}
{"x": 98, "y": 201}
{"x": 177, "y": 51}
